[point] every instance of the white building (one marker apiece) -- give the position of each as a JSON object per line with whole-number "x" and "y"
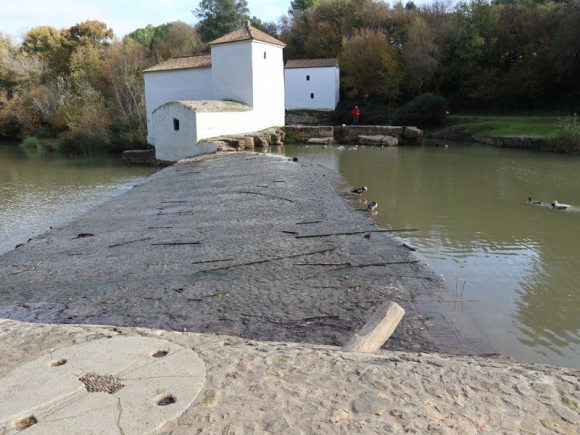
{"x": 312, "y": 84}
{"x": 239, "y": 88}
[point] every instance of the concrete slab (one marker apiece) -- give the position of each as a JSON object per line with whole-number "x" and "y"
{"x": 128, "y": 385}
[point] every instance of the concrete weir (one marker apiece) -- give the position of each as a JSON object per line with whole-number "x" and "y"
{"x": 242, "y": 244}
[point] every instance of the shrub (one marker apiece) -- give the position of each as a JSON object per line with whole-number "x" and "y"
{"x": 567, "y": 136}
{"x": 375, "y": 112}
{"x": 126, "y": 136}
{"x": 78, "y": 143}
{"x": 31, "y": 142}
{"x": 426, "y": 110}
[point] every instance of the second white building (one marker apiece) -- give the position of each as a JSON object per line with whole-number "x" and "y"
{"x": 312, "y": 84}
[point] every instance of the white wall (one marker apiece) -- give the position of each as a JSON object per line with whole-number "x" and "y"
{"x": 164, "y": 86}
{"x": 231, "y": 66}
{"x": 268, "y": 89}
{"x": 323, "y": 83}
{"x": 174, "y": 145}
{"x": 337, "y": 86}
{"x": 212, "y": 124}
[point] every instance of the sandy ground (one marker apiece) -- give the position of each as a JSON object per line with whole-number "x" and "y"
{"x": 235, "y": 245}
{"x": 273, "y": 387}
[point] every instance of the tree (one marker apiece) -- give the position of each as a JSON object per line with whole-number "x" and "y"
{"x": 269, "y": 27}
{"x": 125, "y": 62}
{"x": 42, "y": 41}
{"x": 47, "y": 43}
{"x": 90, "y": 32}
{"x": 218, "y": 17}
{"x": 302, "y": 5}
{"x": 149, "y": 34}
{"x": 369, "y": 64}
{"x": 179, "y": 39}
{"x": 88, "y": 64}
{"x": 7, "y": 50}
{"x": 420, "y": 54}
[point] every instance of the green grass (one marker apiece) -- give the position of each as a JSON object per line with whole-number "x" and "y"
{"x": 505, "y": 126}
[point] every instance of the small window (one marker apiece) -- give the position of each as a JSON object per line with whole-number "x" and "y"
{"x": 175, "y": 124}
{"x": 307, "y": 78}
{"x": 264, "y": 55}
{"x": 312, "y": 96}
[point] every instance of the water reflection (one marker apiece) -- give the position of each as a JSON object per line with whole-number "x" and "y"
{"x": 42, "y": 190}
{"x": 520, "y": 263}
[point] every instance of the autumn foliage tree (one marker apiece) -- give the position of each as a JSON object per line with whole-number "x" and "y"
{"x": 369, "y": 64}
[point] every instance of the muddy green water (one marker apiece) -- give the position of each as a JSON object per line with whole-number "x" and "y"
{"x": 516, "y": 267}
{"x": 38, "y": 191}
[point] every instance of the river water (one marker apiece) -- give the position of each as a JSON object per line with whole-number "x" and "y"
{"x": 514, "y": 267}
{"x": 39, "y": 190}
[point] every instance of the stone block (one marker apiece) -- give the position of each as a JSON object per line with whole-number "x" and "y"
{"x": 139, "y": 156}
{"x": 249, "y": 142}
{"x": 390, "y": 141}
{"x": 275, "y": 140}
{"x": 260, "y": 142}
{"x": 413, "y": 132}
{"x": 320, "y": 140}
{"x": 378, "y": 140}
{"x": 325, "y": 132}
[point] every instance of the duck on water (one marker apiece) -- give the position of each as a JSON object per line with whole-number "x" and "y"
{"x": 557, "y": 206}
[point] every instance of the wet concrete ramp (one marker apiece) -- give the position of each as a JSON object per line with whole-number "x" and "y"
{"x": 245, "y": 244}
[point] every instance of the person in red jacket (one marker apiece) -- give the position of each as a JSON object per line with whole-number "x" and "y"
{"x": 355, "y": 115}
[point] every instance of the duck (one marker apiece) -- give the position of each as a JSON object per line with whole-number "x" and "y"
{"x": 372, "y": 205}
{"x": 557, "y": 206}
{"x": 534, "y": 201}
{"x": 359, "y": 190}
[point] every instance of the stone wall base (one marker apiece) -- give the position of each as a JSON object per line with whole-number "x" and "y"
{"x": 377, "y": 135}
{"x": 142, "y": 157}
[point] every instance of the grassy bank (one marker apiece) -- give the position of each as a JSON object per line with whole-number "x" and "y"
{"x": 542, "y": 132}
{"x": 506, "y": 126}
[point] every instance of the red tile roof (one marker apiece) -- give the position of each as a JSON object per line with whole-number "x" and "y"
{"x": 184, "y": 62}
{"x": 311, "y": 63}
{"x": 245, "y": 33}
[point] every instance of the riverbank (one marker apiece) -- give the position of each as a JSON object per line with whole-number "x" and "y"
{"x": 245, "y": 244}
{"x": 274, "y": 387}
{"x": 542, "y": 133}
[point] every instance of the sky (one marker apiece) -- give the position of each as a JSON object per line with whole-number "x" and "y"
{"x": 123, "y": 16}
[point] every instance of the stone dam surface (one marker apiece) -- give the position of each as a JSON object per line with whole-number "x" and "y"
{"x": 246, "y": 244}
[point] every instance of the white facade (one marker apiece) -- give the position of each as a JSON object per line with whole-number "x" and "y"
{"x": 312, "y": 88}
{"x": 179, "y": 127}
{"x": 241, "y": 92}
{"x": 164, "y": 86}
{"x": 268, "y": 91}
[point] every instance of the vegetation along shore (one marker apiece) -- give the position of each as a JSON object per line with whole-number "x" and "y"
{"x": 80, "y": 89}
